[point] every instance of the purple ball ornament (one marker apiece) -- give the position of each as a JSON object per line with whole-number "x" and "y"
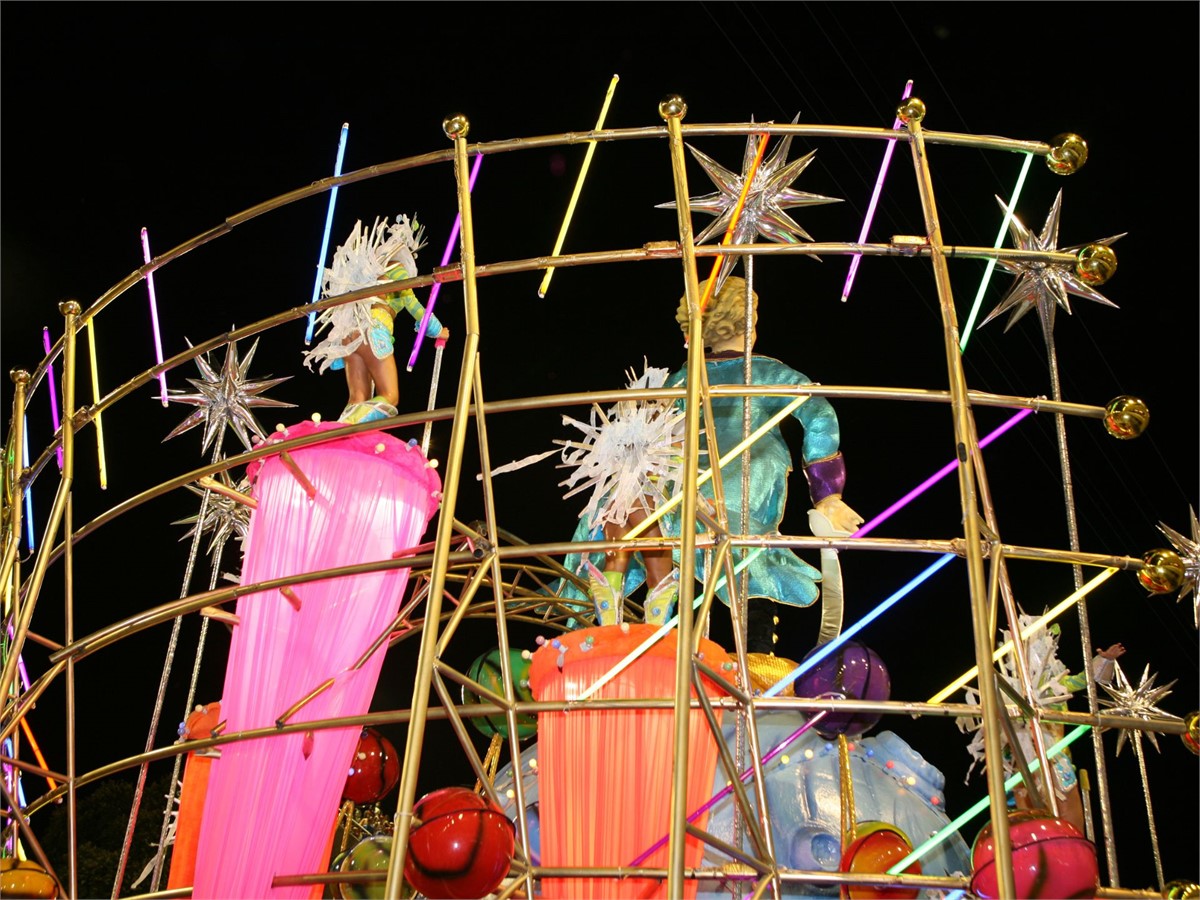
{"x": 853, "y": 671}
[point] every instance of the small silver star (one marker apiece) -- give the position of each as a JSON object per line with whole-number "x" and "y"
{"x": 1189, "y": 551}
{"x": 1040, "y": 283}
{"x": 225, "y": 400}
{"x": 769, "y": 196}
{"x": 1138, "y": 703}
{"x": 223, "y": 517}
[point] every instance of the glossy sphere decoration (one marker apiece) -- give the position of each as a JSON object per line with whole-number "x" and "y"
{"x": 371, "y": 854}
{"x": 1126, "y": 417}
{"x": 1095, "y": 264}
{"x": 672, "y": 107}
{"x": 456, "y": 126}
{"x": 1191, "y": 737}
{"x": 1068, "y": 153}
{"x": 877, "y": 848}
{"x": 460, "y": 847}
{"x": 374, "y": 770}
{"x": 1162, "y": 571}
{"x": 853, "y": 671}
{"x": 486, "y": 671}
{"x": 911, "y": 110}
{"x": 1050, "y": 858}
{"x": 25, "y": 878}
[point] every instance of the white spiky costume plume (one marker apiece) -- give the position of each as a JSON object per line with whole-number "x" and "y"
{"x": 628, "y": 452}
{"x": 365, "y": 259}
{"x": 1046, "y": 673}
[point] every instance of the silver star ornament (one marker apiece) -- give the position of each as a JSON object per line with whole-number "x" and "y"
{"x": 1189, "y": 551}
{"x": 222, "y": 517}
{"x": 770, "y": 194}
{"x": 224, "y": 399}
{"x": 1137, "y": 702}
{"x": 1041, "y": 283}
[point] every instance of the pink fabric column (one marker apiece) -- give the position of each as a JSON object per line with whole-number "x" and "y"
{"x": 272, "y": 802}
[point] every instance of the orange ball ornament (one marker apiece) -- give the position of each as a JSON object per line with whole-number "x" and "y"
{"x": 25, "y": 878}
{"x": 878, "y": 847}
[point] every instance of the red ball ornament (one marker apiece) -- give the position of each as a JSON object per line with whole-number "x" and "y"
{"x": 1050, "y": 859}
{"x": 462, "y": 847}
{"x": 374, "y": 770}
{"x": 877, "y": 848}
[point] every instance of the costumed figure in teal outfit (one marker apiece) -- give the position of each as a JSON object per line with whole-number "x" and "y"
{"x": 777, "y": 573}
{"x": 359, "y": 335}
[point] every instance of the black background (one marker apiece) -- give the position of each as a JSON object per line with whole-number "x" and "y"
{"x": 175, "y": 117}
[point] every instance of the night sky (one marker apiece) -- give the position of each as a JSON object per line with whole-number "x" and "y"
{"x": 178, "y": 117}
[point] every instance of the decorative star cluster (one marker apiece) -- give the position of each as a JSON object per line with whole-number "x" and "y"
{"x": 1189, "y": 551}
{"x": 223, "y": 517}
{"x": 764, "y": 211}
{"x": 1041, "y": 283}
{"x": 1137, "y": 702}
{"x": 224, "y": 400}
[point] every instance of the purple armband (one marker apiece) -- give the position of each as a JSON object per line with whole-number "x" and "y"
{"x": 825, "y": 477}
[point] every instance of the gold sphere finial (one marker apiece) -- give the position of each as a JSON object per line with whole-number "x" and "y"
{"x": 1126, "y": 417}
{"x": 672, "y": 106}
{"x": 1068, "y": 153}
{"x": 1095, "y": 264}
{"x": 1162, "y": 571}
{"x": 19, "y": 376}
{"x": 456, "y": 126}
{"x": 911, "y": 110}
{"x": 70, "y": 308}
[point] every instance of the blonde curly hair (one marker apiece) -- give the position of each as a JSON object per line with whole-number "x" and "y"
{"x": 725, "y": 316}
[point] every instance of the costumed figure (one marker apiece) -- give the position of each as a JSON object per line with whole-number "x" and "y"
{"x": 1053, "y": 686}
{"x": 777, "y": 573}
{"x": 359, "y": 335}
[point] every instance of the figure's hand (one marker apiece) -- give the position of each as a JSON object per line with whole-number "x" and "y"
{"x": 841, "y": 517}
{"x": 1112, "y": 652}
{"x": 443, "y": 336}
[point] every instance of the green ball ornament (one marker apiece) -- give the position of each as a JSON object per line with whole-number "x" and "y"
{"x": 486, "y": 671}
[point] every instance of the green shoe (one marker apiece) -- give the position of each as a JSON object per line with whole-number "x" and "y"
{"x": 605, "y": 589}
{"x": 660, "y": 601}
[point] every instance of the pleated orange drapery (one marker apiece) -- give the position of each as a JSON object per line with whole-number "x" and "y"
{"x": 272, "y": 801}
{"x": 604, "y": 776}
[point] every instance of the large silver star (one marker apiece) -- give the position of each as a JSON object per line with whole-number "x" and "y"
{"x": 769, "y": 196}
{"x": 1138, "y": 703}
{"x": 1040, "y": 283}
{"x": 225, "y": 400}
{"x": 1189, "y": 551}
{"x": 223, "y": 516}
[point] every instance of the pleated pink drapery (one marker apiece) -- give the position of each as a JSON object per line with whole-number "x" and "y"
{"x": 272, "y": 802}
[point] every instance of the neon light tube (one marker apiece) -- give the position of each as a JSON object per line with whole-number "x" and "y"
{"x": 587, "y": 161}
{"x": 437, "y": 285}
{"x": 28, "y": 490}
{"x": 333, "y": 192}
{"x": 53, "y": 395}
{"x": 162, "y": 376}
{"x": 991, "y": 265}
{"x": 862, "y": 235}
{"x": 91, "y": 330}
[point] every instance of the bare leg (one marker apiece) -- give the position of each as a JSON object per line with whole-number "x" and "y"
{"x": 658, "y": 562}
{"x": 383, "y": 373}
{"x": 358, "y": 377}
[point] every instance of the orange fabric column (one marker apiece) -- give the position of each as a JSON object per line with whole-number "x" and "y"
{"x": 199, "y": 725}
{"x": 604, "y": 776}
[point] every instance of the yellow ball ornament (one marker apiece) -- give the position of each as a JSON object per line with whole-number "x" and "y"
{"x": 1068, "y": 153}
{"x": 1126, "y": 417}
{"x": 1162, "y": 571}
{"x": 1095, "y": 264}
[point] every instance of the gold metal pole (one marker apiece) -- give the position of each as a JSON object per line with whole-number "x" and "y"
{"x": 911, "y": 113}
{"x": 673, "y": 109}
{"x": 455, "y": 128}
